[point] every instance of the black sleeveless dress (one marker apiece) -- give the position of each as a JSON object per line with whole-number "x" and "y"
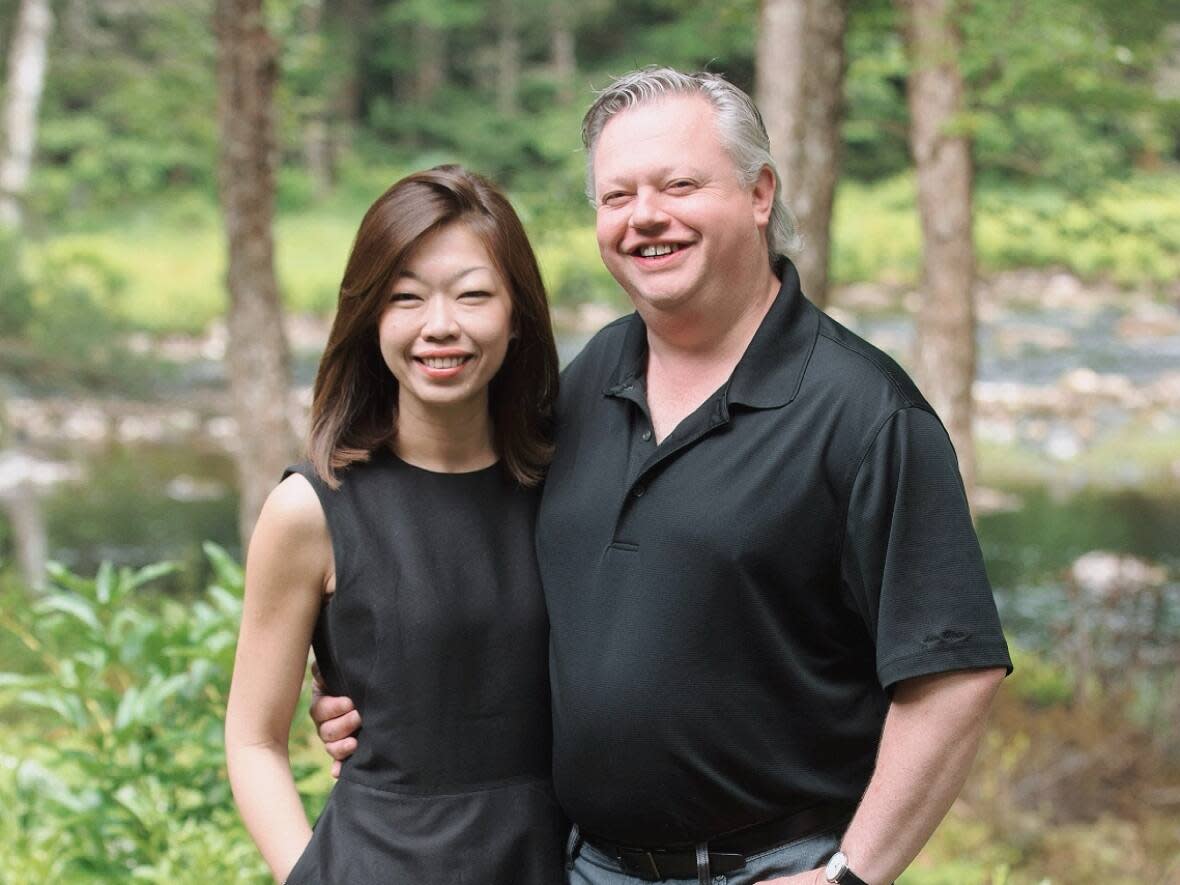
{"x": 437, "y": 631}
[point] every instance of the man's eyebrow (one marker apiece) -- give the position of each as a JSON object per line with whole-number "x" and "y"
{"x": 450, "y": 280}
{"x": 664, "y": 172}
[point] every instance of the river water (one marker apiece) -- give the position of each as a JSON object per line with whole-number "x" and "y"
{"x": 143, "y": 500}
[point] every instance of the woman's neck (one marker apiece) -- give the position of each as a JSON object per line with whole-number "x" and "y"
{"x": 448, "y": 440}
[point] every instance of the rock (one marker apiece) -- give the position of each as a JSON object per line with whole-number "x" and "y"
{"x": 986, "y": 500}
{"x": 1104, "y": 575}
{"x": 865, "y": 298}
{"x": 1062, "y": 443}
{"x": 1013, "y": 339}
{"x": 20, "y": 472}
{"x": 189, "y": 488}
{"x": 1150, "y": 320}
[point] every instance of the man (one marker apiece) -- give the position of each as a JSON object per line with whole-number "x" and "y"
{"x": 773, "y": 644}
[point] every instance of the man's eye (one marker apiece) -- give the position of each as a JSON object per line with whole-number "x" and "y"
{"x": 681, "y": 185}
{"x": 614, "y": 198}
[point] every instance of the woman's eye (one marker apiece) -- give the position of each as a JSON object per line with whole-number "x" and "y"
{"x": 476, "y": 294}
{"x": 403, "y": 297}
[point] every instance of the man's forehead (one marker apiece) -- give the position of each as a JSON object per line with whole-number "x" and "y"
{"x": 661, "y": 137}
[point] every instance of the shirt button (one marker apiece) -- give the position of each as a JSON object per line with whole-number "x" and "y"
{"x": 646, "y": 435}
{"x": 639, "y": 490}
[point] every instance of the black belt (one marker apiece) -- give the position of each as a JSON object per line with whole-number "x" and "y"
{"x": 725, "y": 853}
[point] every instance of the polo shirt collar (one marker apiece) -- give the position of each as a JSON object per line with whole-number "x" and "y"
{"x": 770, "y": 371}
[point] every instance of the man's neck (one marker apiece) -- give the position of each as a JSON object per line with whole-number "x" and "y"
{"x": 691, "y": 357}
{"x": 715, "y": 332}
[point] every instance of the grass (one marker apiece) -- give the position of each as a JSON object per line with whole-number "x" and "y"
{"x": 1136, "y": 455}
{"x": 171, "y": 259}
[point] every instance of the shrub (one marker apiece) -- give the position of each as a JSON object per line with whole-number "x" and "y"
{"x": 115, "y": 769}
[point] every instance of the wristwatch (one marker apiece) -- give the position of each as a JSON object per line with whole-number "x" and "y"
{"x": 837, "y": 871}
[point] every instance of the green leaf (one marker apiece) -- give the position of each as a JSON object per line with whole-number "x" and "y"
{"x": 104, "y": 582}
{"x": 68, "y": 707}
{"x": 152, "y": 572}
{"x": 74, "y": 606}
{"x": 67, "y": 580}
{"x": 228, "y": 572}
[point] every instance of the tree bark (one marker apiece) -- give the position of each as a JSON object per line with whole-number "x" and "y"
{"x": 430, "y": 73}
{"x": 27, "y": 59}
{"x": 942, "y": 157}
{"x": 508, "y": 59}
{"x": 347, "y": 22}
{"x": 562, "y": 56}
{"x": 30, "y": 540}
{"x": 257, "y": 356}
{"x": 800, "y": 85}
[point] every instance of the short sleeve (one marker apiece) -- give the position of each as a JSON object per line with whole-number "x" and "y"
{"x": 911, "y": 562}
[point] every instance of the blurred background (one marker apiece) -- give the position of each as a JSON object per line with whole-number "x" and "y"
{"x": 179, "y": 185}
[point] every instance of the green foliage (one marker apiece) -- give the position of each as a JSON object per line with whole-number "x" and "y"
{"x": 71, "y": 326}
{"x": 1040, "y": 681}
{"x": 1129, "y": 232}
{"x": 1055, "y": 95}
{"x": 1058, "y": 92}
{"x": 128, "y": 110}
{"x": 16, "y": 303}
{"x": 111, "y": 761}
{"x": 128, "y": 692}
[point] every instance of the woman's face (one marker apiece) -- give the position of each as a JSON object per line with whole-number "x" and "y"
{"x": 445, "y": 331}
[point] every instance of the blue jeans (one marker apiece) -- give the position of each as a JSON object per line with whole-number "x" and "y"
{"x": 592, "y": 867}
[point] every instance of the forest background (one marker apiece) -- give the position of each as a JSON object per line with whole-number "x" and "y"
{"x": 121, "y": 401}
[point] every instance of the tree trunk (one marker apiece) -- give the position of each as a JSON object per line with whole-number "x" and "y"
{"x": 319, "y": 147}
{"x": 800, "y": 74}
{"x": 257, "y": 355}
{"x": 30, "y": 541}
{"x": 508, "y": 59}
{"x": 562, "y": 57}
{"x": 346, "y": 23}
{"x": 27, "y": 58}
{"x": 946, "y": 318}
{"x": 430, "y": 74}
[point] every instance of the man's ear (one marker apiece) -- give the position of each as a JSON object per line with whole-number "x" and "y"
{"x": 762, "y": 196}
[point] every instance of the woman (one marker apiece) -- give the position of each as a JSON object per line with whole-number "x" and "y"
{"x": 404, "y": 553}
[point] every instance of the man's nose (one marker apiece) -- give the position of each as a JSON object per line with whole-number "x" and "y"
{"x": 647, "y": 209}
{"x": 440, "y": 319}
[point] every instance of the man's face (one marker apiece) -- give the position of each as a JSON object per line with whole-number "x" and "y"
{"x": 675, "y": 226}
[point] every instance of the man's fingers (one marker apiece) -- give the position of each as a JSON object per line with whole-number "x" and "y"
{"x": 340, "y": 750}
{"x": 327, "y": 707}
{"x": 339, "y": 728}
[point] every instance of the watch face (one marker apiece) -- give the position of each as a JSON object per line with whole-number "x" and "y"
{"x": 836, "y": 866}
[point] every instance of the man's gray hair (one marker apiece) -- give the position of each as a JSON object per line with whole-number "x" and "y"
{"x": 739, "y": 126}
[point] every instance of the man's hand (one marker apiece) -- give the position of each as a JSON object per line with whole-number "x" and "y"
{"x": 336, "y": 720}
{"x": 811, "y": 877}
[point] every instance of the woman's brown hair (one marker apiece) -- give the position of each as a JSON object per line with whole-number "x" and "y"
{"x": 354, "y": 403}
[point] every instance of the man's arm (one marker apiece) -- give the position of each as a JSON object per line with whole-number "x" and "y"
{"x": 931, "y": 735}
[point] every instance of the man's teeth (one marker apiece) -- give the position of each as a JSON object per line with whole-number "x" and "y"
{"x": 444, "y": 362}
{"x": 655, "y": 251}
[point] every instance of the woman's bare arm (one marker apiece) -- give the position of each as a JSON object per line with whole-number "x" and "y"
{"x": 288, "y": 568}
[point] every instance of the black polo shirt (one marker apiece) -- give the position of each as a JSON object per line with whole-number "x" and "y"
{"x": 730, "y": 608}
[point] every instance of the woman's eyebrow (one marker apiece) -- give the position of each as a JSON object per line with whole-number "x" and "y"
{"x": 452, "y": 279}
